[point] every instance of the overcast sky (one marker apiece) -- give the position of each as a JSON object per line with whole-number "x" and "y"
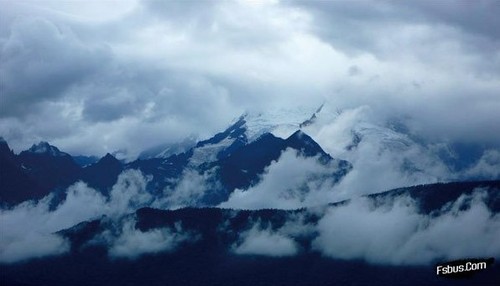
{"x": 96, "y": 76}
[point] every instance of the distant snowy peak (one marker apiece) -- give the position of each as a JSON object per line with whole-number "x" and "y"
{"x": 220, "y": 145}
{"x": 247, "y": 129}
{"x": 347, "y": 128}
{"x": 385, "y": 136}
{"x": 313, "y": 117}
{"x": 168, "y": 149}
{"x": 237, "y": 130}
{"x": 244, "y": 130}
{"x": 46, "y": 149}
{"x": 280, "y": 122}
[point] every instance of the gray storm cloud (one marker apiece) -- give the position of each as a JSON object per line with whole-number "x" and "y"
{"x": 40, "y": 61}
{"x": 161, "y": 71}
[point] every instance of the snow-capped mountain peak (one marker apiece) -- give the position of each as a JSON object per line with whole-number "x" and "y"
{"x": 279, "y": 122}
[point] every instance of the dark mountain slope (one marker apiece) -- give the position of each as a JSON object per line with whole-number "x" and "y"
{"x": 48, "y": 166}
{"x": 242, "y": 168}
{"x": 103, "y": 174}
{"x": 433, "y": 197}
{"x": 209, "y": 259}
{"x": 237, "y": 163}
{"x": 15, "y": 185}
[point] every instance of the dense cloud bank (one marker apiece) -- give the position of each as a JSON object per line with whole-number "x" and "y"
{"x": 29, "y": 229}
{"x": 107, "y": 77}
{"x": 190, "y": 189}
{"x": 380, "y": 230}
{"x": 130, "y": 242}
{"x": 398, "y": 234}
{"x": 388, "y": 154}
{"x": 382, "y": 158}
{"x": 265, "y": 242}
{"x": 291, "y": 182}
{"x": 387, "y": 232}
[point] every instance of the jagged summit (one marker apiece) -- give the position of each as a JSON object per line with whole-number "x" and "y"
{"x": 235, "y": 131}
{"x": 45, "y": 148}
{"x": 3, "y": 143}
{"x": 301, "y": 141}
{"x": 5, "y": 149}
{"x": 313, "y": 117}
{"x": 108, "y": 157}
{"x": 280, "y": 122}
{"x": 108, "y": 161}
{"x": 102, "y": 175}
{"x": 244, "y": 129}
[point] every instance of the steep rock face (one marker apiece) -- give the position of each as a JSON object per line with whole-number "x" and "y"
{"x": 15, "y": 185}
{"x": 242, "y": 168}
{"x": 50, "y": 167}
{"x": 5, "y": 150}
{"x": 306, "y": 145}
{"x": 44, "y": 148}
{"x": 103, "y": 174}
{"x": 229, "y": 160}
{"x": 162, "y": 171}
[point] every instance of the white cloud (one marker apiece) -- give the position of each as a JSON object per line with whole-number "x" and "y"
{"x": 26, "y": 234}
{"x": 382, "y": 158}
{"x": 132, "y": 242}
{"x": 395, "y": 233}
{"x": 265, "y": 242}
{"x": 129, "y": 193}
{"x": 29, "y": 229}
{"x": 487, "y": 167}
{"x": 189, "y": 190}
{"x": 290, "y": 182}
